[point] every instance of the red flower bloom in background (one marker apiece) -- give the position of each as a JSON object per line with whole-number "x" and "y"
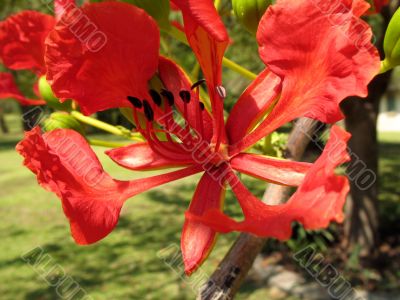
{"x": 8, "y": 89}
{"x": 306, "y": 75}
{"x": 377, "y": 5}
{"x": 22, "y": 39}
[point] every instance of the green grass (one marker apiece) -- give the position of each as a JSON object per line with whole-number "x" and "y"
{"x": 125, "y": 265}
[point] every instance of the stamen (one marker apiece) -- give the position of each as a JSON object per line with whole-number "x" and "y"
{"x": 148, "y": 111}
{"x": 155, "y": 96}
{"x": 221, "y": 91}
{"x": 198, "y": 83}
{"x": 185, "y": 96}
{"x": 169, "y": 96}
{"x": 135, "y": 101}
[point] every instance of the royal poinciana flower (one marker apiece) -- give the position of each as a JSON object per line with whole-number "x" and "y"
{"x": 22, "y": 39}
{"x": 312, "y": 63}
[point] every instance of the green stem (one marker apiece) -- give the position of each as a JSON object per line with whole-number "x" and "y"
{"x": 238, "y": 69}
{"x": 96, "y": 123}
{"x": 385, "y": 66}
{"x": 107, "y": 144}
{"x": 180, "y": 36}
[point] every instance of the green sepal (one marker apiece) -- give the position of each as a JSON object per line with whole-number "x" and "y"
{"x": 47, "y": 95}
{"x": 62, "y": 120}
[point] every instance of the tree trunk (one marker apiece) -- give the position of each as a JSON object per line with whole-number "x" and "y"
{"x": 361, "y": 223}
{"x": 3, "y": 124}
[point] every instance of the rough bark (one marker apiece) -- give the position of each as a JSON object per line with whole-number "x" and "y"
{"x": 231, "y": 272}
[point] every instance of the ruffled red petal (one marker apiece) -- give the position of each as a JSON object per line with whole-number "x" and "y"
{"x": 111, "y": 58}
{"x": 8, "y": 89}
{"x": 92, "y": 200}
{"x": 318, "y": 201}
{"x": 252, "y": 105}
{"x": 22, "y": 39}
{"x": 140, "y": 156}
{"x": 274, "y": 170}
{"x": 198, "y": 239}
{"x": 323, "y": 55}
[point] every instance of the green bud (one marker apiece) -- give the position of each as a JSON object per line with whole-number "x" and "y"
{"x": 249, "y": 12}
{"x": 47, "y": 95}
{"x": 391, "y": 44}
{"x": 63, "y": 120}
{"x": 158, "y": 9}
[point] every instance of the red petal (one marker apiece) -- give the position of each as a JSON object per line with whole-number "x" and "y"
{"x": 176, "y": 80}
{"x": 318, "y": 201}
{"x": 322, "y": 58}
{"x": 252, "y": 105}
{"x": 274, "y": 170}
{"x": 140, "y": 156}
{"x": 115, "y": 60}
{"x": 319, "y": 69}
{"x": 65, "y": 164}
{"x": 22, "y": 40}
{"x": 198, "y": 239}
{"x": 8, "y": 89}
{"x": 208, "y": 38}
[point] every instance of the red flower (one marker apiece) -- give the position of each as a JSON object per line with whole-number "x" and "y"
{"x": 122, "y": 67}
{"x": 306, "y": 75}
{"x": 22, "y": 39}
{"x": 66, "y": 165}
{"x": 377, "y": 6}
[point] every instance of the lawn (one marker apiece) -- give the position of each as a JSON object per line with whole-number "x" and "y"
{"x": 127, "y": 264}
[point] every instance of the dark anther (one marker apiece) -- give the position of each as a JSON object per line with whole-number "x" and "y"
{"x": 156, "y": 97}
{"x": 201, "y": 104}
{"x": 185, "y": 96}
{"x": 135, "y": 101}
{"x": 169, "y": 96}
{"x": 148, "y": 111}
{"x": 198, "y": 83}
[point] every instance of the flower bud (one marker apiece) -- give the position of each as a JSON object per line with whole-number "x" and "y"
{"x": 249, "y": 12}
{"x": 158, "y": 9}
{"x": 392, "y": 43}
{"x": 47, "y": 95}
{"x": 63, "y": 120}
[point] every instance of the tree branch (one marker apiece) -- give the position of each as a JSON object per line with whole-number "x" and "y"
{"x": 232, "y": 270}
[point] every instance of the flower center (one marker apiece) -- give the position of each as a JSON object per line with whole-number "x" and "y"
{"x": 221, "y": 155}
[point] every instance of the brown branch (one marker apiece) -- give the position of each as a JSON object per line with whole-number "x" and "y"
{"x": 231, "y": 272}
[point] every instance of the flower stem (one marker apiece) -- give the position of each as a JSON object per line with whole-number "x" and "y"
{"x": 238, "y": 69}
{"x": 180, "y": 36}
{"x": 119, "y": 131}
{"x": 96, "y": 123}
{"x": 107, "y": 144}
{"x": 385, "y": 66}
